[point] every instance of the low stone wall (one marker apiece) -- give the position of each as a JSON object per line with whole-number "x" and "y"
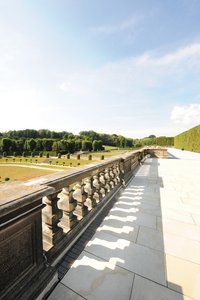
{"x": 22, "y": 267}
{"x": 157, "y": 152}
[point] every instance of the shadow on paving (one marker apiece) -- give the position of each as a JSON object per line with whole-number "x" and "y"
{"x": 171, "y": 156}
{"x": 121, "y": 254}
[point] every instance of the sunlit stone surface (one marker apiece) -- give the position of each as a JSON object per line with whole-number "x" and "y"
{"x": 148, "y": 247}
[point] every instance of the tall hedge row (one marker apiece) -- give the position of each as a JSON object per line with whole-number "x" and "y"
{"x": 188, "y": 140}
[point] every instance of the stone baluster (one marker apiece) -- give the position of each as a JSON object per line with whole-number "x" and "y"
{"x": 102, "y": 184}
{"x": 96, "y": 185}
{"x": 80, "y": 196}
{"x": 115, "y": 175}
{"x": 118, "y": 173}
{"x": 51, "y": 215}
{"x": 107, "y": 178}
{"x": 90, "y": 201}
{"x": 111, "y": 174}
{"x": 122, "y": 173}
{"x": 67, "y": 204}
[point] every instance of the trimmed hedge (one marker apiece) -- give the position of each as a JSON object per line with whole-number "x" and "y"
{"x": 165, "y": 141}
{"x": 188, "y": 140}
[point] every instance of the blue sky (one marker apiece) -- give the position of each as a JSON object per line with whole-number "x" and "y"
{"x": 126, "y": 67}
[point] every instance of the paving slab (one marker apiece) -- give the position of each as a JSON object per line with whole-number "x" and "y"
{"x": 119, "y": 229}
{"x": 95, "y": 278}
{"x": 151, "y": 238}
{"x": 183, "y": 276}
{"x": 144, "y": 289}
{"x": 182, "y": 247}
{"x": 61, "y": 292}
{"x": 177, "y": 215}
{"x": 138, "y": 218}
{"x": 143, "y": 207}
{"x": 170, "y": 243}
{"x": 130, "y": 256}
{"x": 189, "y": 231}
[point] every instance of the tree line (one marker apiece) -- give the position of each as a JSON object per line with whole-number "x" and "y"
{"x": 62, "y": 146}
{"x": 44, "y": 140}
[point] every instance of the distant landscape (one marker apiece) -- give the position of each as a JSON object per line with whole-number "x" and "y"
{"x": 25, "y": 154}
{"x": 34, "y": 141}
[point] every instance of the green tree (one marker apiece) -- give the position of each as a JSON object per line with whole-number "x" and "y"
{"x": 86, "y": 145}
{"x": 6, "y": 144}
{"x": 95, "y": 145}
{"x": 47, "y": 144}
{"x": 78, "y": 145}
{"x": 55, "y": 146}
{"x": 20, "y": 145}
{"x": 38, "y": 146}
{"x": 30, "y": 144}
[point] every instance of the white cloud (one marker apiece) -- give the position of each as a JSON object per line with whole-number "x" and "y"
{"x": 66, "y": 86}
{"x": 126, "y": 25}
{"x": 188, "y": 114}
{"x": 127, "y": 96}
{"x": 191, "y": 53}
{"x": 132, "y": 78}
{"x": 23, "y": 108}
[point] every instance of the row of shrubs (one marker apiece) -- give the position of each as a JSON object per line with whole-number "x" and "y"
{"x": 24, "y": 154}
{"x": 50, "y": 162}
{"x": 32, "y": 154}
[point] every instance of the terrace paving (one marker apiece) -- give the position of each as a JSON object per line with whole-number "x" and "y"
{"x": 147, "y": 246}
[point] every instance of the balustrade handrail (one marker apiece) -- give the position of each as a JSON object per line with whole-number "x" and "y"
{"x": 80, "y": 171}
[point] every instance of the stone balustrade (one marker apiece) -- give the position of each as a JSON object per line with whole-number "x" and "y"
{"x": 76, "y": 200}
{"x": 42, "y": 218}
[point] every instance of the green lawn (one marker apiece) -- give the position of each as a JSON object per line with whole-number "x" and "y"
{"x": 25, "y": 172}
{"x": 15, "y": 173}
{"x": 110, "y": 147}
{"x": 110, "y": 153}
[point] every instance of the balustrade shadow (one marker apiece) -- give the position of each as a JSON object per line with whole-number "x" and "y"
{"x": 125, "y": 258}
{"x": 171, "y": 156}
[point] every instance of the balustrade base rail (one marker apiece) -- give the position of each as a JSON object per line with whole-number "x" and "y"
{"x": 32, "y": 287}
{"x": 24, "y": 274}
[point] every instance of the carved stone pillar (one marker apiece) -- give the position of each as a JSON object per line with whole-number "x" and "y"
{"x": 122, "y": 173}
{"x": 111, "y": 174}
{"x": 118, "y": 173}
{"x": 115, "y": 175}
{"x": 51, "y": 215}
{"x": 67, "y": 205}
{"x": 90, "y": 200}
{"x": 80, "y": 196}
{"x": 107, "y": 178}
{"x": 96, "y": 186}
{"x": 102, "y": 184}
